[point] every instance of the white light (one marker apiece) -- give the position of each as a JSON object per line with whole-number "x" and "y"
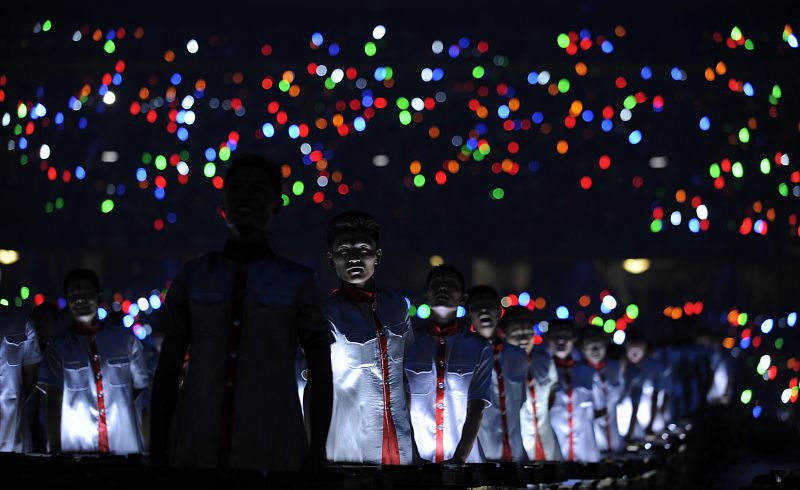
{"x": 322, "y": 70}
{"x": 543, "y": 78}
{"x": 791, "y": 319}
{"x": 766, "y": 325}
{"x": 625, "y": 114}
{"x": 182, "y": 168}
{"x": 675, "y": 218}
{"x": 658, "y": 162}
{"x": 784, "y": 159}
{"x": 187, "y": 102}
{"x": 322, "y": 181}
{"x": 6, "y": 119}
{"x": 544, "y": 326}
{"x": 702, "y": 211}
{"x": 44, "y": 152}
{"x": 437, "y": 47}
{"x": 417, "y": 104}
{"x": 192, "y": 46}
{"x": 8, "y": 257}
{"x": 337, "y": 75}
{"x": 155, "y": 301}
{"x": 609, "y": 302}
{"x": 636, "y": 266}
{"x": 426, "y": 75}
{"x": 379, "y": 32}
{"x": 305, "y": 148}
{"x": 77, "y": 36}
{"x": 189, "y": 117}
{"x": 109, "y": 156}
{"x": 109, "y": 98}
{"x": 619, "y": 337}
{"x": 143, "y": 304}
{"x": 380, "y": 160}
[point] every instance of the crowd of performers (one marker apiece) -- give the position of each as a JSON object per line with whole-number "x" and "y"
{"x": 255, "y": 369}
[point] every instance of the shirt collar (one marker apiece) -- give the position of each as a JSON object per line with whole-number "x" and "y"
{"x": 442, "y": 331}
{"x": 564, "y": 363}
{"x": 356, "y": 294}
{"x": 243, "y": 252}
{"x": 92, "y": 329}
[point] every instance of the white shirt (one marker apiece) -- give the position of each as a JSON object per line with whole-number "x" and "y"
{"x": 542, "y": 377}
{"x": 572, "y": 414}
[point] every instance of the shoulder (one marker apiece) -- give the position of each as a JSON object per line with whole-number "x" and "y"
{"x": 12, "y": 320}
{"x": 474, "y": 340}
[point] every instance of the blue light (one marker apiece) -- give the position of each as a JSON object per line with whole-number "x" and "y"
{"x": 604, "y": 309}
{"x": 268, "y": 129}
{"x": 159, "y": 193}
{"x": 140, "y": 333}
{"x": 172, "y": 217}
{"x": 463, "y": 43}
{"x": 111, "y": 34}
{"x": 481, "y": 128}
{"x": 133, "y": 310}
{"x": 472, "y": 144}
{"x": 23, "y": 143}
{"x": 646, "y": 73}
{"x": 607, "y": 47}
{"x": 585, "y": 34}
{"x": 705, "y": 123}
{"x": 423, "y": 311}
{"x": 183, "y": 134}
{"x": 82, "y": 123}
{"x": 59, "y": 119}
{"x": 127, "y": 321}
{"x": 461, "y": 312}
{"x": 333, "y": 49}
{"x": 317, "y": 39}
{"x": 588, "y": 115}
{"x": 757, "y": 411}
{"x": 359, "y": 123}
{"x": 453, "y": 51}
{"x": 294, "y": 131}
{"x": 181, "y": 117}
{"x": 438, "y": 74}
{"x": 175, "y": 79}
{"x": 537, "y": 117}
{"x": 694, "y": 225}
{"x": 116, "y": 79}
{"x": 748, "y": 89}
{"x": 80, "y": 173}
{"x": 533, "y": 78}
{"x": 524, "y": 299}
{"x": 141, "y": 174}
{"x": 367, "y": 101}
{"x": 607, "y": 125}
{"x": 39, "y": 111}
{"x": 766, "y": 325}
{"x": 745, "y": 343}
{"x": 562, "y": 312}
{"x": 675, "y": 73}
{"x": 211, "y": 154}
{"x": 635, "y": 137}
{"x": 408, "y": 302}
{"x": 533, "y": 166}
{"x": 101, "y": 313}
{"x": 791, "y": 320}
{"x": 503, "y": 111}
{"x": 120, "y": 189}
{"x": 155, "y": 301}
{"x": 380, "y": 74}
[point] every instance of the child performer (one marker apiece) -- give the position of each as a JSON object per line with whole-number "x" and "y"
{"x": 607, "y": 387}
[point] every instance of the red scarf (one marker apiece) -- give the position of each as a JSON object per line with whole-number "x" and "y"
{"x": 566, "y": 363}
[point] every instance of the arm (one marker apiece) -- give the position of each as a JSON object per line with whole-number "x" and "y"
{"x": 54, "y": 401}
{"x": 469, "y": 433}
{"x": 30, "y": 361}
{"x": 30, "y": 374}
{"x": 480, "y": 387}
{"x": 318, "y": 400}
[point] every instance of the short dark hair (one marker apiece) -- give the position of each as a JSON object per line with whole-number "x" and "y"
{"x": 635, "y": 336}
{"x": 350, "y": 221}
{"x": 516, "y": 314}
{"x": 446, "y": 269}
{"x": 250, "y": 160}
{"x": 76, "y": 275}
{"x": 591, "y": 333}
{"x": 565, "y": 323}
{"x": 483, "y": 289}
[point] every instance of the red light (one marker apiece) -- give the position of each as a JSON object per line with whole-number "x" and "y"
{"x": 52, "y": 174}
{"x": 158, "y": 224}
{"x": 160, "y": 182}
{"x": 217, "y": 182}
{"x": 281, "y": 117}
{"x": 120, "y": 66}
{"x": 513, "y": 147}
{"x": 273, "y": 107}
{"x": 351, "y": 73}
{"x": 266, "y": 83}
{"x": 441, "y": 177}
{"x": 66, "y": 176}
{"x": 586, "y": 43}
{"x": 318, "y": 197}
{"x": 107, "y": 79}
{"x": 483, "y": 47}
{"x": 569, "y": 122}
{"x": 344, "y": 189}
{"x": 608, "y": 112}
{"x": 39, "y": 299}
{"x": 604, "y": 162}
{"x": 312, "y": 68}
{"x": 638, "y": 182}
{"x": 266, "y": 50}
{"x": 135, "y": 107}
{"x": 658, "y": 213}
{"x": 572, "y": 49}
{"x": 620, "y": 82}
{"x": 746, "y": 226}
{"x": 380, "y": 103}
{"x": 151, "y": 116}
{"x": 586, "y": 182}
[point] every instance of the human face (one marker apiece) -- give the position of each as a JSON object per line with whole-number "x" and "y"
{"x": 594, "y": 351}
{"x": 354, "y": 256}
{"x": 82, "y": 302}
{"x": 560, "y": 342}
{"x": 445, "y": 292}
{"x": 520, "y": 334}
{"x": 635, "y": 352}
{"x": 484, "y": 313}
{"x": 249, "y": 202}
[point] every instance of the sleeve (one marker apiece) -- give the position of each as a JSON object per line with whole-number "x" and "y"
{"x": 174, "y": 319}
{"x": 51, "y": 372}
{"x": 313, "y": 329}
{"x": 408, "y": 337}
{"x": 481, "y": 384}
{"x": 139, "y": 372}
{"x": 599, "y": 397}
{"x": 33, "y": 354}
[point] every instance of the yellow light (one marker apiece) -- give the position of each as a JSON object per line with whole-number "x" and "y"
{"x": 8, "y": 257}
{"x": 636, "y": 266}
{"x": 436, "y": 260}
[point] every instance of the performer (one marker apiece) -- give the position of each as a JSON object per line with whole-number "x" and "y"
{"x": 499, "y": 436}
{"x": 243, "y": 311}
{"x": 607, "y": 387}
{"x": 93, "y": 372}
{"x": 573, "y": 411}
{"x": 45, "y": 319}
{"x": 19, "y": 362}
{"x": 644, "y": 383}
{"x": 370, "y": 422}
{"x": 449, "y": 378}
{"x": 538, "y": 437}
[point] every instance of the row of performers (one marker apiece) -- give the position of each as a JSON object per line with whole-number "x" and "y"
{"x": 245, "y": 330}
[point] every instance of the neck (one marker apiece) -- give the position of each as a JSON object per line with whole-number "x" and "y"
{"x": 248, "y": 236}
{"x": 368, "y": 285}
{"x": 529, "y": 348}
{"x": 443, "y": 318}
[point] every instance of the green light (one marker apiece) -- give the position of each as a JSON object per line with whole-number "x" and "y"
{"x": 147, "y": 158}
{"x": 744, "y": 135}
{"x": 3, "y": 302}
{"x": 656, "y": 226}
{"x": 776, "y": 91}
{"x": 284, "y": 86}
{"x": 423, "y": 311}
{"x": 737, "y": 170}
{"x": 48, "y": 207}
{"x": 59, "y": 203}
{"x": 412, "y": 311}
{"x": 297, "y": 188}
{"x": 161, "y": 162}
{"x": 629, "y": 102}
{"x": 209, "y": 169}
{"x": 736, "y": 33}
{"x": 18, "y": 302}
{"x": 597, "y": 321}
{"x": 783, "y": 190}
{"x": 17, "y": 129}
{"x": 747, "y": 395}
{"x": 713, "y": 170}
{"x": 22, "y": 111}
{"x": 609, "y": 326}
{"x": 405, "y": 118}
{"x": 329, "y": 83}
{"x": 763, "y": 364}
{"x": 370, "y": 49}
{"x": 632, "y": 311}
{"x": 772, "y": 99}
{"x": 285, "y": 200}
{"x": 478, "y": 72}
{"x": 23, "y": 160}
{"x": 47, "y": 25}
{"x": 485, "y": 148}
{"x": 748, "y": 45}
{"x": 387, "y": 73}
{"x": 107, "y": 206}
{"x": 765, "y": 166}
{"x": 478, "y": 156}
{"x": 742, "y": 319}
{"x": 563, "y": 41}
{"x": 779, "y": 343}
{"x": 184, "y": 155}
{"x": 24, "y": 292}
{"x": 563, "y": 85}
{"x": 402, "y": 103}
{"x": 109, "y": 46}
{"x": 419, "y": 180}
{"x": 224, "y": 154}
{"x": 498, "y": 193}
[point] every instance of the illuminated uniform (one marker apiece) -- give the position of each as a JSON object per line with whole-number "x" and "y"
{"x": 97, "y": 368}
{"x": 721, "y": 374}
{"x": 537, "y": 433}
{"x": 499, "y": 436}
{"x": 445, "y": 368}
{"x": 370, "y": 422}
{"x": 607, "y": 388}
{"x": 572, "y": 414}
{"x": 641, "y": 382}
{"x": 243, "y": 312}
{"x": 19, "y": 347}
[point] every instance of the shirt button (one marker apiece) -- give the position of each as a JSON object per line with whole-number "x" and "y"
{"x": 440, "y": 405}
{"x": 439, "y": 427}
{"x": 98, "y": 377}
{"x": 441, "y": 341}
{"x": 102, "y": 412}
{"x": 441, "y": 385}
{"x": 503, "y": 413}
{"x": 95, "y": 357}
{"x": 233, "y": 355}
{"x": 236, "y": 323}
{"x": 441, "y": 363}
{"x": 100, "y": 395}
{"x": 230, "y": 385}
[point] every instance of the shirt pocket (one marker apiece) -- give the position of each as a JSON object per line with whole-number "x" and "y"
{"x": 421, "y": 378}
{"x": 14, "y": 348}
{"x": 208, "y": 310}
{"x": 77, "y": 376}
{"x": 396, "y": 345}
{"x": 119, "y": 372}
{"x": 360, "y": 356}
{"x": 274, "y": 314}
{"x": 459, "y": 377}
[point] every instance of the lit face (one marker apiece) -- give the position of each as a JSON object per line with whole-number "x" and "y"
{"x": 520, "y": 334}
{"x": 484, "y": 313}
{"x": 445, "y": 293}
{"x": 635, "y": 352}
{"x": 594, "y": 351}
{"x": 82, "y": 302}
{"x": 249, "y": 201}
{"x": 354, "y": 256}
{"x": 560, "y": 342}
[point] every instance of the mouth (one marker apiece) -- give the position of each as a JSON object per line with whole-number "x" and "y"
{"x": 355, "y": 270}
{"x": 485, "y": 318}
